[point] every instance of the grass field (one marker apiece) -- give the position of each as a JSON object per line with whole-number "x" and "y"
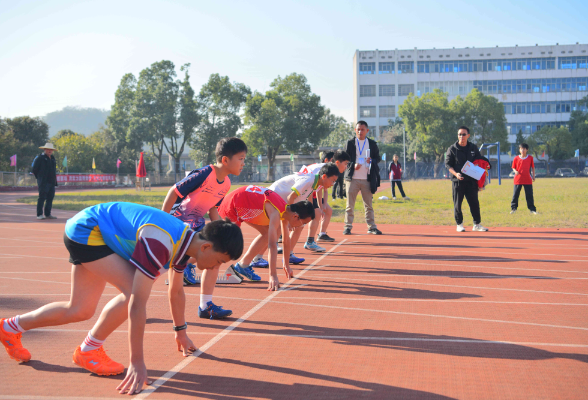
{"x": 561, "y": 203}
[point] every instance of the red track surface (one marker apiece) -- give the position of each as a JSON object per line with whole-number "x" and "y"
{"x": 420, "y": 312}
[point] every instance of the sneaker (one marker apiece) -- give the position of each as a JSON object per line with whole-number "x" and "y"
{"x": 460, "y": 228}
{"x": 213, "y": 311}
{"x": 97, "y": 362}
{"x": 260, "y": 263}
{"x": 393, "y": 198}
{"x": 479, "y": 228}
{"x": 296, "y": 260}
{"x": 50, "y": 217}
{"x": 534, "y": 213}
{"x": 280, "y": 250}
{"x": 374, "y": 231}
{"x": 324, "y": 238}
{"x": 190, "y": 275}
{"x": 347, "y": 231}
{"x": 40, "y": 217}
{"x": 280, "y": 239}
{"x": 246, "y": 273}
{"x": 406, "y": 198}
{"x": 314, "y": 247}
{"x": 513, "y": 211}
{"x": 12, "y": 344}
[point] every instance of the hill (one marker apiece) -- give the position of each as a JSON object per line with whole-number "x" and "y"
{"x": 78, "y": 119}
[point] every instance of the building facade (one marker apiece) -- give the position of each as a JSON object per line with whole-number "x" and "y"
{"x": 538, "y": 85}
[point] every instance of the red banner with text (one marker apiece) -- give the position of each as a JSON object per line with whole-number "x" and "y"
{"x": 86, "y": 178}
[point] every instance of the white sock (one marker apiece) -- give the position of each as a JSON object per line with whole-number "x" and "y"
{"x": 257, "y": 258}
{"x": 91, "y": 343}
{"x": 204, "y": 299}
{"x": 11, "y": 325}
{"x": 323, "y": 233}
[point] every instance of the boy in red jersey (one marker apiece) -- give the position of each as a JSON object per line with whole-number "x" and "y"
{"x": 266, "y": 212}
{"x": 524, "y": 169}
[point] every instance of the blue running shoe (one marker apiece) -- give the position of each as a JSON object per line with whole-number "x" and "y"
{"x": 190, "y": 275}
{"x": 213, "y": 311}
{"x": 296, "y": 260}
{"x": 246, "y": 273}
{"x": 261, "y": 263}
{"x": 314, "y": 247}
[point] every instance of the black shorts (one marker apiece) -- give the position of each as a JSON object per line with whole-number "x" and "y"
{"x": 315, "y": 202}
{"x": 82, "y": 253}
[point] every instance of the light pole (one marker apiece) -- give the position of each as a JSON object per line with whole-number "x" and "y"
{"x": 403, "y": 146}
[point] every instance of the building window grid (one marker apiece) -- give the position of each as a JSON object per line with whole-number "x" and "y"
{"x": 387, "y": 112}
{"x": 367, "y": 111}
{"x": 367, "y": 90}
{"x": 406, "y": 67}
{"x": 385, "y": 68}
{"x": 545, "y": 107}
{"x": 387, "y": 90}
{"x": 367, "y": 68}
{"x": 405, "y": 90}
{"x": 531, "y": 127}
{"x": 579, "y": 62}
{"x": 520, "y": 64}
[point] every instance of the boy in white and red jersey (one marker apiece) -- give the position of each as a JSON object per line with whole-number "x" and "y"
{"x": 524, "y": 169}
{"x": 201, "y": 192}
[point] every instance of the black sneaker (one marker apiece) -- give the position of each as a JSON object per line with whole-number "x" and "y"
{"x": 280, "y": 239}
{"x": 374, "y": 231}
{"x": 324, "y": 238}
{"x": 347, "y": 231}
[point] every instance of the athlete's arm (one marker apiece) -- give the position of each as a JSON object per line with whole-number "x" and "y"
{"x": 177, "y": 304}
{"x": 137, "y": 371}
{"x": 286, "y": 246}
{"x": 170, "y": 200}
{"x": 291, "y": 197}
{"x": 274, "y": 226}
{"x": 326, "y": 195}
{"x": 213, "y": 214}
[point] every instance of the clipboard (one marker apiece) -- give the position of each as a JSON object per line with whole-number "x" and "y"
{"x": 473, "y": 170}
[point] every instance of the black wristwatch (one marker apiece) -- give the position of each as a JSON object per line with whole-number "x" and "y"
{"x": 181, "y": 327}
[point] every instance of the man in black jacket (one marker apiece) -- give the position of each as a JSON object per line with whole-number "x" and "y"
{"x": 463, "y": 185}
{"x": 45, "y": 170}
{"x": 362, "y": 175}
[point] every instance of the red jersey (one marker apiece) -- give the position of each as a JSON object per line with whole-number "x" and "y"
{"x": 247, "y": 204}
{"x": 523, "y": 166}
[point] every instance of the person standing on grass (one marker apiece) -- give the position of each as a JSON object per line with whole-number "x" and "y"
{"x": 396, "y": 177}
{"x": 201, "y": 192}
{"x": 457, "y": 155}
{"x": 362, "y": 175}
{"x": 45, "y": 170}
{"x": 524, "y": 169}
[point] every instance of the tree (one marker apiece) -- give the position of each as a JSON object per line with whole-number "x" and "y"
{"x": 520, "y": 138}
{"x": 288, "y": 117}
{"x": 219, "y": 102}
{"x": 579, "y": 127}
{"x": 556, "y": 142}
{"x": 79, "y": 151}
{"x": 30, "y": 133}
{"x": 485, "y": 117}
{"x": 340, "y": 131}
{"x": 119, "y": 120}
{"x": 8, "y": 145}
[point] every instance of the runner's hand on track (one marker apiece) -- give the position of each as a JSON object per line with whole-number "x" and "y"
{"x": 135, "y": 380}
{"x": 288, "y": 271}
{"x": 274, "y": 283}
{"x": 184, "y": 343}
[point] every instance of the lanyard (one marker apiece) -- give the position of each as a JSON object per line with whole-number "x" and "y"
{"x": 362, "y": 147}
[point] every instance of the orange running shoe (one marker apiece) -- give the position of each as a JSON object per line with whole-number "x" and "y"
{"x": 97, "y": 361}
{"x": 12, "y": 344}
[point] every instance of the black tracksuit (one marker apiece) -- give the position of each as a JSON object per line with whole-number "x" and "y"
{"x": 45, "y": 170}
{"x": 456, "y": 158}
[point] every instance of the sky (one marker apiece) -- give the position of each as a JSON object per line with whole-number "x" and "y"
{"x": 58, "y": 53}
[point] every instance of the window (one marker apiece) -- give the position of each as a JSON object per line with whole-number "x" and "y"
{"x": 386, "y": 68}
{"x": 367, "y": 111}
{"x": 386, "y": 90}
{"x": 405, "y": 90}
{"x": 572, "y": 62}
{"x": 406, "y": 67}
{"x": 367, "y": 68}
{"x": 387, "y": 111}
{"x": 367, "y": 90}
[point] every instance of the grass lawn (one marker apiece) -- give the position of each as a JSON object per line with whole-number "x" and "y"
{"x": 561, "y": 203}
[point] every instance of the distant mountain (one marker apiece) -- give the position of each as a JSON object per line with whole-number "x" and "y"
{"x": 80, "y": 120}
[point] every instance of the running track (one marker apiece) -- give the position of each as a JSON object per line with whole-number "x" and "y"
{"x": 420, "y": 312}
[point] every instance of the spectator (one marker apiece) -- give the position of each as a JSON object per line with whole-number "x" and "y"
{"x": 524, "y": 169}
{"x": 45, "y": 170}
{"x": 362, "y": 175}
{"x": 396, "y": 177}
{"x": 463, "y": 185}
{"x": 339, "y": 187}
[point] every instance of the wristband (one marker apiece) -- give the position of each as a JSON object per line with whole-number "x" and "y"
{"x": 181, "y": 327}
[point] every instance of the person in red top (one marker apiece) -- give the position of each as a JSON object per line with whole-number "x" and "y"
{"x": 524, "y": 169}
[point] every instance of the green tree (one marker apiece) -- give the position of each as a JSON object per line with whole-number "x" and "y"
{"x": 119, "y": 120}
{"x": 340, "y": 131}
{"x": 219, "y": 103}
{"x": 30, "y": 133}
{"x": 485, "y": 117}
{"x": 556, "y": 142}
{"x": 288, "y": 117}
{"x": 579, "y": 127}
{"x": 79, "y": 151}
{"x": 8, "y": 146}
{"x": 520, "y": 138}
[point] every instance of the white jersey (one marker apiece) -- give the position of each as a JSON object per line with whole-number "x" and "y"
{"x": 302, "y": 184}
{"x": 311, "y": 169}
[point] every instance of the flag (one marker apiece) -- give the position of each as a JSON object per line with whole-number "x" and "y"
{"x": 13, "y": 161}
{"x": 415, "y": 155}
{"x": 65, "y": 161}
{"x": 93, "y": 163}
{"x": 577, "y": 154}
{"x": 384, "y": 157}
{"x": 291, "y": 157}
{"x": 259, "y": 158}
{"x": 118, "y": 163}
{"x": 543, "y": 154}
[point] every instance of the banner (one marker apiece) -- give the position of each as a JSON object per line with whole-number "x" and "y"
{"x": 13, "y": 161}
{"x": 86, "y": 178}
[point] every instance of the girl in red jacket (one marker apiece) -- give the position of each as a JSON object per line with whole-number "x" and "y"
{"x": 396, "y": 177}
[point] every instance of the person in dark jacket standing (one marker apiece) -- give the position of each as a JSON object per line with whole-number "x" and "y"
{"x": 45, "y": 170}
{"x": 395, "y": 172}
{"x": 463, "y": 185}
{"x": 362, "y": 175}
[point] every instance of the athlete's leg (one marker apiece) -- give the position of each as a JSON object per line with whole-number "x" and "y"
{"x": 326, "y": 218}
{"x": 314, "y": 224}
{"x": 294, "y": 236}
{"x": 258, "y": 245}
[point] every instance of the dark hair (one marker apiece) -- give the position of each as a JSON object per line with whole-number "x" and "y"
{"x": 329, "y": 169}
{"x": 225, "y": 237}
{"x": 362, "y": 123}
{"x": 228, "y": 147}
{"x": 329, "y": 155}
{"x": 304, "y": 209}
{"x": 524, "y": 146}
{"x": 395, "y": 155}
{"x": 341, "y": 156}
{"x": 464, "y": 127}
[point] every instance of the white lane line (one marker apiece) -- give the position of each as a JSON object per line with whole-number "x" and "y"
{"x": 29, "y": 272}
{"x": 492, "y": 245}
{"x": 32, "y": 241}
{"x": 294, "y": 287}
{"x": 336, "y": 278}
{"x": 163, "y": 379}
{"x": 21, "y": 397}
{"x": 476, "y": 259}
{"x": 35, "y": 280}
{"x": 28, "y": 255}
{"x": 463, "y": 276}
